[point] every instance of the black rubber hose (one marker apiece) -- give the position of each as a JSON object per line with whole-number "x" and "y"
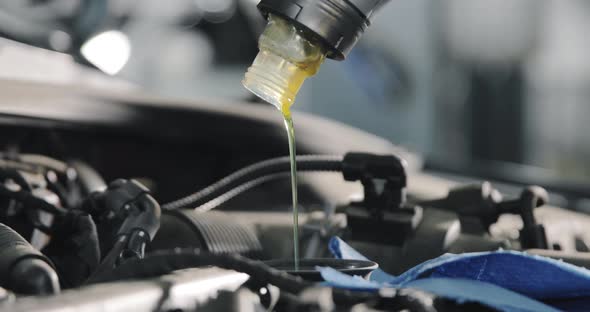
{"x": 16, "y": 176}
{"x": 24, "y": 196}
{"x": 165, "y": 262}
{"x": 257, "y": 172}
{"x": 216, "y": 202}
{"x": 23, "y": 269}
{"x": 30, "y": 201}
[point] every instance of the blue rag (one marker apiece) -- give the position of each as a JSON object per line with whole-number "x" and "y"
{"x": 504, "y": 280}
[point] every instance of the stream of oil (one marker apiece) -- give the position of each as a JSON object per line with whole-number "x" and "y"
{"x": 292, "y": 153}
{"x": 305, "y": 70}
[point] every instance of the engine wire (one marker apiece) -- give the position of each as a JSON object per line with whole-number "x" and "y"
{"x": 253, "y": 175}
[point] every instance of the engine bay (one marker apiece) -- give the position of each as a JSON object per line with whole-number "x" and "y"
{"x": 159, "y": 206}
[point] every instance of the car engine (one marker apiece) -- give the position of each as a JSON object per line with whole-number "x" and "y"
{"x": 152, "y": 206}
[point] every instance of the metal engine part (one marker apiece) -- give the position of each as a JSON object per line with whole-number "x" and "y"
{"x": 183, "y": 290}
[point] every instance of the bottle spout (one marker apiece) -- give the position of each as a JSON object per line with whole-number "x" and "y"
{"x": 286, "y": 58}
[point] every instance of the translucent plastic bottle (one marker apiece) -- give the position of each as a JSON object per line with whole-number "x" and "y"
{"x": 285, "y": 60}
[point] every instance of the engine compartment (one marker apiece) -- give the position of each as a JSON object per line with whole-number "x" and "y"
{"x": 87, "y": 194}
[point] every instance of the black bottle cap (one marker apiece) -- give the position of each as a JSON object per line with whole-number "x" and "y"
{"x": 337, "y": 24}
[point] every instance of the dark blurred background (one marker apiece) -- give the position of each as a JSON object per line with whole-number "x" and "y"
{"x": 489, "y": 88}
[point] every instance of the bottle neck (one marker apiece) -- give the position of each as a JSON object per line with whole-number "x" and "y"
{"x": 285, "y": 60}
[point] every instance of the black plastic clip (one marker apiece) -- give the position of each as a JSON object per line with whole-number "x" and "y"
{"x": 383, "y": 215}
{"x": 532, "y": 234}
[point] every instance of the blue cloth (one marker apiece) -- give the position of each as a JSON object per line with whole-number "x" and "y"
{"x": 505, "y": 280}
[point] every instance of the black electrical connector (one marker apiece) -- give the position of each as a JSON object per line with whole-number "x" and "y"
{"x": 125, "y": 208}
{"x": 383, "y": 216}
{"x": 369, "y": 169}
{"x": 484, "y": 203}
{"x": 532, "y": 234}
{"x": 128, "y": 218}
{"x": 477, "y": 202}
